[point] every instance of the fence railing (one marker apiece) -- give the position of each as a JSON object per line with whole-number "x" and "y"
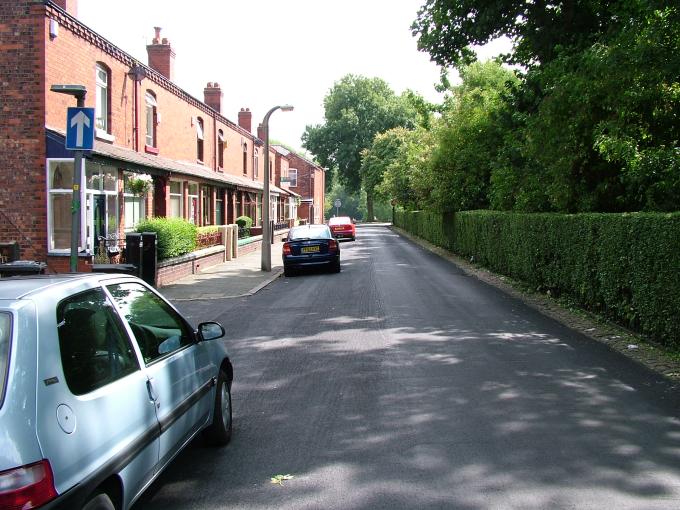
{"x": 111, "y": 247}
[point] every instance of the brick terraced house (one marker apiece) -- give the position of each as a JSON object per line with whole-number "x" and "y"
{"x": 158, "y": 151}
{"x": 308, "y": 180}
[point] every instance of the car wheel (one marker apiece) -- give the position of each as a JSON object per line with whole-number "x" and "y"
{"x": 335, "y": 268}
{"x": 219, "y": 431}
{"x": 288, "y": 271}
{"x": 99, "y": 502}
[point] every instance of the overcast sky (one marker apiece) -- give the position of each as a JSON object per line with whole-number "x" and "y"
{"x": 270, "y": 52}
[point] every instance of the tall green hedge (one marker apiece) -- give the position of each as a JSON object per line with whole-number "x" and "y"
{"x": 175, "y": 236}
{"x": 624, "y": 266}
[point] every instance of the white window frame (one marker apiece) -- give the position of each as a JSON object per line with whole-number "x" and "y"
{"x": 193, "y": 192}
{"x": 256, "y": 163}
{"x": 200, "y": 140}
{"x": 179, "y": 195}
{"x": 151, "y": 109}
{"x": 292, "y": 177}
{"x": 102, "y": 100}
{"x": 220, "y": 148}
{"x": 66, "y": 192}
{"x": 139, "y": 205}
{"x": 88, "y": 205}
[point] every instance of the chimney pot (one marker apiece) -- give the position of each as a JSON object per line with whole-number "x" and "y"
{"x": 213, "y": 96}
{"x": 245, "y": 119}
{"x": 161, "y": 57}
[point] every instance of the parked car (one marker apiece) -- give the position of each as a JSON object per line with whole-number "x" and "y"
{"x": 102, "y": 383}
{"x": 309, "y": 246}
{"x": 343, "y": 227}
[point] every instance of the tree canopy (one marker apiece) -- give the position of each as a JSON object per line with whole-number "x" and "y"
{"x": 589, "y": 122}
{"x": 592, "y": 122}
{"x": 447, "y": 29}
{"x": 355, "y": 110}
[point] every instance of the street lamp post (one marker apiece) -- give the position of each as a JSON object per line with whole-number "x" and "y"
{"x": 79, "y": 92}
{"x": 266, "y": 262}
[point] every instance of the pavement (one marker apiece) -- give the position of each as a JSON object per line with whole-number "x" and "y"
{"x": 235, "y": 278}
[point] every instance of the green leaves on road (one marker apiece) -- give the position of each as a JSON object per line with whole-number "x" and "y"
{"x": 278, "y": 479}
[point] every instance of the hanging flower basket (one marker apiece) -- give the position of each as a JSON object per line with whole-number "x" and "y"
{"x": 140, "y": 185}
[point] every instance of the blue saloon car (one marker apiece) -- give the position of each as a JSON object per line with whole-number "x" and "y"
{"x": 310, "y": 246}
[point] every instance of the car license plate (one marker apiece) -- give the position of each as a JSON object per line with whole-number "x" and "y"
{"x": 310, "y": 249}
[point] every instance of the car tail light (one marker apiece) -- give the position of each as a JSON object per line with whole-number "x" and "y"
{"x": 286, "y": 249}
{"x": 27, "y": 487}
{"x": 332, "y": 245}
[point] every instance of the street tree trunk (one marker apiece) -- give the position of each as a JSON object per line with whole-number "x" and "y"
{"x": 369, "y": 207}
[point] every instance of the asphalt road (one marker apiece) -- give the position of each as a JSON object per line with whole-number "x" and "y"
{"x": 402, "y": 383}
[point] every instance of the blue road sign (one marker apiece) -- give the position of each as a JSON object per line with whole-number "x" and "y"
{"x": 80, "y": 129}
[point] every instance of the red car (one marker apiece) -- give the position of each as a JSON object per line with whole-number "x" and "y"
{"x": 343, "y": 227}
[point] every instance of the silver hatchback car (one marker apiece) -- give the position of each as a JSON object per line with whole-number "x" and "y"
{"x": 102, "y": 383}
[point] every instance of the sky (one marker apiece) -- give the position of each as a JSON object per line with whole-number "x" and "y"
{"x": 266, "y": 53}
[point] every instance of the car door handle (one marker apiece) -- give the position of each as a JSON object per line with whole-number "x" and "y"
{"x": 152, "y": 393}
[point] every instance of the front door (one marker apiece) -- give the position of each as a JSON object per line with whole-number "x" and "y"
{"x": 98, "y": 221}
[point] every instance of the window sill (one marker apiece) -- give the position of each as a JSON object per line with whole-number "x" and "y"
{"x": 103, "y": 135}
{"x": 150, "y": 150}
{"x": 199, "y": 162}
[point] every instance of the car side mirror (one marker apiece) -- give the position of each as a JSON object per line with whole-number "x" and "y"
{"x": 210, "y": 330}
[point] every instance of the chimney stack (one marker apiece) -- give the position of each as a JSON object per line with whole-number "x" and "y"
{"x": 212, "y": 96}
{"x": 260, "y": 132}
{"x": 161, "y": 56}
{"x": 70, "y": 6}
{"x": 245, "y": 119}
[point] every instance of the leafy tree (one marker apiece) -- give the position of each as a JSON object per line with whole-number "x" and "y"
{"x": 447, "y": 29}
{"x": 394, "y": 165}
{"x": 356, "y": 109}
{"x": 468, "y": 139}
{"x": 600, "y": 132}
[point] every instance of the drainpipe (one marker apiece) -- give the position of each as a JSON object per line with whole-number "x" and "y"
{"x": 136, "y": 74}
{"x": 214, "y": 142}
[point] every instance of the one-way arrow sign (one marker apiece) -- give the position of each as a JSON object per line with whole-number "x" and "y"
{"x": 80, "y": 129}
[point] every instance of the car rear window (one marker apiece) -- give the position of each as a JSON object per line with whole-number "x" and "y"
{"x": 5, "y": 335}
{"x": 309, "y": 232}
{"x": 340, "y": 220}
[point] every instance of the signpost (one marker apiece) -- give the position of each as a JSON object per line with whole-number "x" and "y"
{"x": 79, "y": 138}
{"x": 337, "y": 205}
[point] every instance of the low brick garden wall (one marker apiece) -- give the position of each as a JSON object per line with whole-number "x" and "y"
{"x": 171, "y": 270}
{"x": 174, "y": 269}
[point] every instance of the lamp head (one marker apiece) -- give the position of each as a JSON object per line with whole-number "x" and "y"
{"x": 77, "y": 91}
{"x": 287, "y": 108}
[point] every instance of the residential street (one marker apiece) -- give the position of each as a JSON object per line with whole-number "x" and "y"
{"x": 403, "y": 383}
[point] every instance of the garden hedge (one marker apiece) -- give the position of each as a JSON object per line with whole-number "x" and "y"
{"x": 625, "y": 267}
{"x": 175, "y": 236}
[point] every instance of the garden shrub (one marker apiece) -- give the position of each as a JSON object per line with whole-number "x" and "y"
{"x": 175, "y": 236}
{"x": 244, "y": 223}
{"x": 623, "y": 266}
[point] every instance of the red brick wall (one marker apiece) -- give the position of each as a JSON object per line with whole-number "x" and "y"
{"x": 172, "y": 272}
{"x": 310, "y": 184}
{"x": 72, "y": 59}
{"x": 31, "y": 60}
{"x": 22, "y": 132}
